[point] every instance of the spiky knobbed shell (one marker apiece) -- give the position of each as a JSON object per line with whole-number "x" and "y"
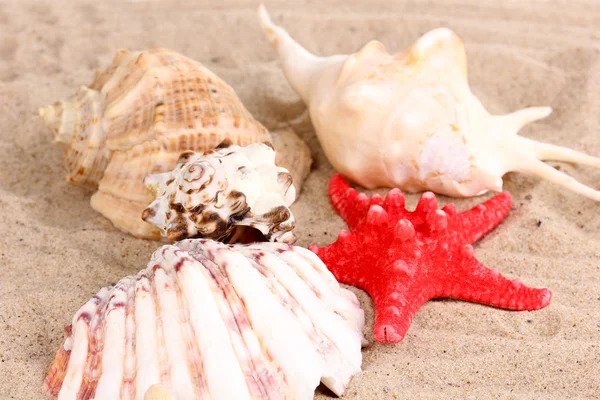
{"x": 208, "y": 320}
{"x": 135, "y": 119}
{"x": 209, "y": 195}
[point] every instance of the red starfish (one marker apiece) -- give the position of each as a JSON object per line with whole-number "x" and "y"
{"x": 403, "y": 259}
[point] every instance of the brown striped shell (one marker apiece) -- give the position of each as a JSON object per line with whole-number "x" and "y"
{"x": 135, "y": 119}
{"x": 206, "y": 320}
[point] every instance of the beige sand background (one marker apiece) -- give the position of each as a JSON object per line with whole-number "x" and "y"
{"x": 56, "y": 252}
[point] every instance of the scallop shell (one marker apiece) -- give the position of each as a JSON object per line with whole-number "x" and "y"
{"x": 158, "y": 392}
{"x": 208, "y": 320}
{"x": 209, "y": 195}
{"x": 411, "y": 120}
{"x": 135, "y": 119}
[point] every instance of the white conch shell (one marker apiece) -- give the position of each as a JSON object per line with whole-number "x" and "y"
{"x": 206, "y": 320}
{"x": 135, "y": 119}
{"x": 411, "y": 121}
{"x": 208, "y": 195}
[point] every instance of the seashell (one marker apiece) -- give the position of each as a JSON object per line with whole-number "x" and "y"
{"x": 135, "y": 119}
{"x": 209, "y": 320}
{"x": 293, "y": 154}
{"x": 411, "y": 120}
{"x": 158, "y": 392}
{"x": 209, "y": 195}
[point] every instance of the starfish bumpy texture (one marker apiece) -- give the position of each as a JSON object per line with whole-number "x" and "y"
{"x": 403, "y": 259}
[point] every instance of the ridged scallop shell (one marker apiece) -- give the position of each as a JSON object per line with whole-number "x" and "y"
{"x": 208, "y": 320}
{"x": 158, "y": 392}
{"x": 209, "y": 195}
{"x": 135, "y": 119}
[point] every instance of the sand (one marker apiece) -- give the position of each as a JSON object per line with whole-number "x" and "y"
{"x": 56, "y": 252}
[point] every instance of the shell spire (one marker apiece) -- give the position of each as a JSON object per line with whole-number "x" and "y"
{"x": 85, "y": 153}
{"x": 411, "y": 121}
{"x": 299, "y": 65}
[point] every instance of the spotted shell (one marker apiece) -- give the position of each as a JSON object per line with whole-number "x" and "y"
{"x": 209, "y": 195}
{"x": 135, "y": 119}
{"x": 207, "y": 320}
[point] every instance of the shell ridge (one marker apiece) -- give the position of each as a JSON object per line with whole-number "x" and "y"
{"x": 316, "y": 264}
{"x": 342, "y": 301}
{"x": 260, "y": 375}
{"x": 303, "y": 302}
{"x": 210, "y": 327}
{"x": 110, "y": 383}
{"x": 56, "y": 373}
{"x": 146, "y": 344}
{"x": 124, "y": 76}
{"x": 227, "y": 309}
{"x": 278, "y": 287}
{"x": 79, "y": 346}
{"x": 342, "y": 326}
{"x": 181, "y": 377}
{"x": 128, "y": 390}
{"x": 163, "y": 356}
{"x": 194, "y": 356}
{"x": 93, "y": 365}
{"x": 280, "y": 331}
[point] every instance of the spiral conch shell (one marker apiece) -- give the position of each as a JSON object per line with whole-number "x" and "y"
{"x": 135, "y": 119}
{"x": 411, "y": 121}
{"x": 208, "y": 195}
{"x": 206, "y": 320}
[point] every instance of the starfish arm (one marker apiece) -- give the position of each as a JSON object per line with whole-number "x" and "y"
{"x": 349, "y": 204}
{"x": 395, "y": 311}
{"x": 474, "y": 282}
{"x": 475, "y": 223}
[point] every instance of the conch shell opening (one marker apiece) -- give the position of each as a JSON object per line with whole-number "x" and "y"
{"x": 411, "y": 120}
